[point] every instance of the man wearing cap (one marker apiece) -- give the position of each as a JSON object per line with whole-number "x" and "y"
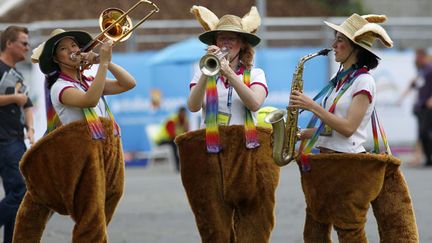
{"x": 226, "y": 167}
{"x": 15, "y": 115}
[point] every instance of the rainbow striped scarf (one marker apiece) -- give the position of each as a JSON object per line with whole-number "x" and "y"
{"x": 53, "y": 120}
{"x": 212, "y": 129}
{"x": 93, "y": 121}
{"x": 304, "y": 150}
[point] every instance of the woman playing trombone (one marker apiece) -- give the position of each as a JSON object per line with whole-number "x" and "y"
{"x": 78, "y": 168}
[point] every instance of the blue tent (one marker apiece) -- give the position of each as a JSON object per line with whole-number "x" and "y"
{"x": 187, "y": 51}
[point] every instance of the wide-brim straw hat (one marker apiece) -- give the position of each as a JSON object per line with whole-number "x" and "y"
{"x": 364, "y": 30}
{"x": 246, "y": 26}
{"x": 45, "y": 51}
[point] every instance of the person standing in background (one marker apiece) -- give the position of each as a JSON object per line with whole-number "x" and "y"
{"x": 173, "y": 126}
{"x": 423, "y": 63}
{"x": 15, "y": 115}
{"x": 423, "y": 104}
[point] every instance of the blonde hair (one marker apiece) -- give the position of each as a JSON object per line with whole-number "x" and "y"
{"x": 247, "y": 55}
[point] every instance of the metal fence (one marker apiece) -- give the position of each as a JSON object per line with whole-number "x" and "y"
{"x": 406, "y": 32}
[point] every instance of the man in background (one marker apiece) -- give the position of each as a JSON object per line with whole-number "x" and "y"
{"x": 173, "y": 126}
{"x": 15, "y": 115}
{"x": 423, "y": 104}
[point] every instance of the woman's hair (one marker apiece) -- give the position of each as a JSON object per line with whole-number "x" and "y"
{"x": 366, "y": 58}
{"x": 246, "y": 55}
{"x": 51, "y": 78}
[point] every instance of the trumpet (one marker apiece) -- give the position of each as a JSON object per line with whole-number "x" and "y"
{"x": 115, "y": 25}
{"x": 210, "y": 64}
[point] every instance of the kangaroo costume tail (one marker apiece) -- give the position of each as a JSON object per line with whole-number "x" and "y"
{"x": 72, "y": 174}
{"x": 339, "y": 189}
{"x": 231, "y": 193}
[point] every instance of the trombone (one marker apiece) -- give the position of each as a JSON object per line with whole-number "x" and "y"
{"x": 116, "y": 25}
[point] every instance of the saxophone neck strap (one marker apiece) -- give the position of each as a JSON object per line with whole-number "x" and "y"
{"x": 303, "y": 149}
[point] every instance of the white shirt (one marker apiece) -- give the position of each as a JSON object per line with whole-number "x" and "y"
{"x": 363, "y": 84}
{"x": 68, "y": 114}
{"x": 237, "y": 111}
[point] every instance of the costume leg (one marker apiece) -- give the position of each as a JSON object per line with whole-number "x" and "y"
{"x": 115, "y": 187}
{"x": 355, "y": 235}
{"x": 254, "y": 202}
{"x": 393, "y": 210}
{"x": 88, "y": 209}
{"x": 202, "y": 180}
{"x": 316, "y": 232}
{"x": 212, "y": 215}
{"x": 31, "y": 220}
{"x": 254, "y": 222}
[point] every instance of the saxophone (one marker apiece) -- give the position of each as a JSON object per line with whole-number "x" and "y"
{"x": 286, "y": 135}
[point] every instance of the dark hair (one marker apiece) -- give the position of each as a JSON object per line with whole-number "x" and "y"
{"x": 51, "y": 78}
{"x": 11, "y": 34}
{"x": 366, "y": 58}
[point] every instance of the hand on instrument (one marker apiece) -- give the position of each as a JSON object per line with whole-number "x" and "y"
{"x": 300, "y": 100}
{"x": 105, "y": 52}
{"x": 226, "y": 69}
{"x": 212, "y": 49}
{"x": 90, "y": 57}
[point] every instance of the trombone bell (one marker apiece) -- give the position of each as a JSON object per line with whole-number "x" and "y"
{"x": 116, "y": 33}
{"x": 117, "y": 25}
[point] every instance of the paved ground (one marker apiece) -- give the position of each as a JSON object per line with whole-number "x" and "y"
{"x": 155, "y": 209}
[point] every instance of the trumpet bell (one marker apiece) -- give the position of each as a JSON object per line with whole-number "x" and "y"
{"x": 115, "y": 33}
{"x": 209, "y": 65}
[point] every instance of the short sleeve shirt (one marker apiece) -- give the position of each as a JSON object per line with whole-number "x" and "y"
{"x": 11, "y": 116}
{"x": 363, "y": 84}
{"x": 237, "y": 111}
{"x": 68, "y": 114}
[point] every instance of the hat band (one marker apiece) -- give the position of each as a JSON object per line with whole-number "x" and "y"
{"x": 58, "y": 41}
{"x": 227, "y": 27}
{"x": 365, "y": 43}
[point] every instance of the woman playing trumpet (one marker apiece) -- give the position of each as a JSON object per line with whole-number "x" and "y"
{"x": 78, "y": 168}
{"x": 227, "y": 170}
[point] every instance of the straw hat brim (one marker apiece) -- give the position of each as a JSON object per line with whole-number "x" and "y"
{"x": 209, "y": 37}
{"x": 46, "y": 62}
{"x": 348, "y": 35}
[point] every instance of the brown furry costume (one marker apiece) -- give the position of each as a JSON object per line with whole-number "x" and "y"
{"x": 339, "y": 189}
{"x": 72, "y": 174}
{"x": 232, "y": 193}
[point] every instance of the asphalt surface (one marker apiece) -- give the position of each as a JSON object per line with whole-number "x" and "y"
{"x": 155, "y": 209}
